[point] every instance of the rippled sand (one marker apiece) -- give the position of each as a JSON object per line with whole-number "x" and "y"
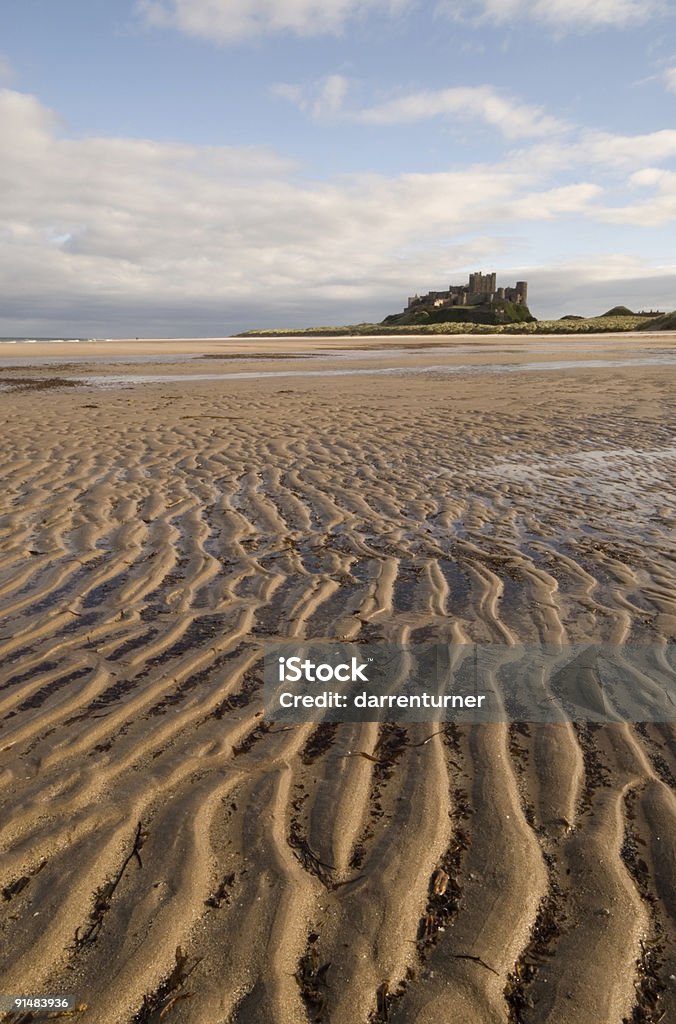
{"x": 166, "y": 854}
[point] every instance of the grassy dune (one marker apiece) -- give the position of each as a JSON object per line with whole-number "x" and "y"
{"x": 587, "y": 325}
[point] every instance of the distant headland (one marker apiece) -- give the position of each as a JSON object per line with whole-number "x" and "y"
{"x": 481, "y": 307}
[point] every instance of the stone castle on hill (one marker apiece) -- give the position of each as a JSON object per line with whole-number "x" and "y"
{"x": 480, "y": 290}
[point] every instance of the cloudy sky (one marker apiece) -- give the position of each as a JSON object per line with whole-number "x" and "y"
{"x": 198, "y": 167}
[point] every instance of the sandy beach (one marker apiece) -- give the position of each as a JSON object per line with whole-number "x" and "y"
{"x": 167, "y": 853}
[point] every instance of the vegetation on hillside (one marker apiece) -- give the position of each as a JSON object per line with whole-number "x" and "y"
{"x": 620, "y": 311}
{"x": 665, "y": 322}
{"x": 585, "y": 325}
{"x": 500, "y": 312}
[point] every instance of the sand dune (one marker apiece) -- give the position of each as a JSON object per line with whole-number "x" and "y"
{"x": 168, "y": 854}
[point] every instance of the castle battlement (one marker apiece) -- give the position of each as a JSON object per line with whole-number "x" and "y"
{"x": 479, "y": 290}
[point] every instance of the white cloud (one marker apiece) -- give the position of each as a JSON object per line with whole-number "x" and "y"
{"x": 224, "y": 21}
{"x": 604, "y": 147}
{"x": 649, "y": 176}
{"x": 512, "y": 118}
{"x": 600, "y": 152}
{"x": 560, "y": 14}
{"x": 230, "y": 20}
{"x": 547, "y": 205}
{"x": 566, "y": 145}
{"x": 331, "y": 97}
{"x": 655, "y": 211}
{"x": 323, "y": 100}
{"x": 670, "y": 79}
{"x": 106, "y": 228}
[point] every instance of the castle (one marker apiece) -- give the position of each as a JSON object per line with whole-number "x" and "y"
{"x": 480, "y": 290}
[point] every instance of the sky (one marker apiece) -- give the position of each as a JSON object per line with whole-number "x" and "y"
{"x": 178, "y": 168}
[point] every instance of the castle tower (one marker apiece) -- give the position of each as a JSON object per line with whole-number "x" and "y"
{"x": 481, "y": 286}
{"x": 522, "y": 290}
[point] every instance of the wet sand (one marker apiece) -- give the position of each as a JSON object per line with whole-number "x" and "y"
{"x": 166, "y": 853}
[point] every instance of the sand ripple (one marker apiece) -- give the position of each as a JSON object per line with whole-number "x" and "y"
{"x": 167, "y": 853}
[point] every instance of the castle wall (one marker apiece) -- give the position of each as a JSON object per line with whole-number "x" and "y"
{"x": 480, "y": 288}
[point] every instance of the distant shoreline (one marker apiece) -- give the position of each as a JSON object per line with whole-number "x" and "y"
{"x": 586, "y": 325}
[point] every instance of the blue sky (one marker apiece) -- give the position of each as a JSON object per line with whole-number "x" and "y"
{"x": 192, "y": 167}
